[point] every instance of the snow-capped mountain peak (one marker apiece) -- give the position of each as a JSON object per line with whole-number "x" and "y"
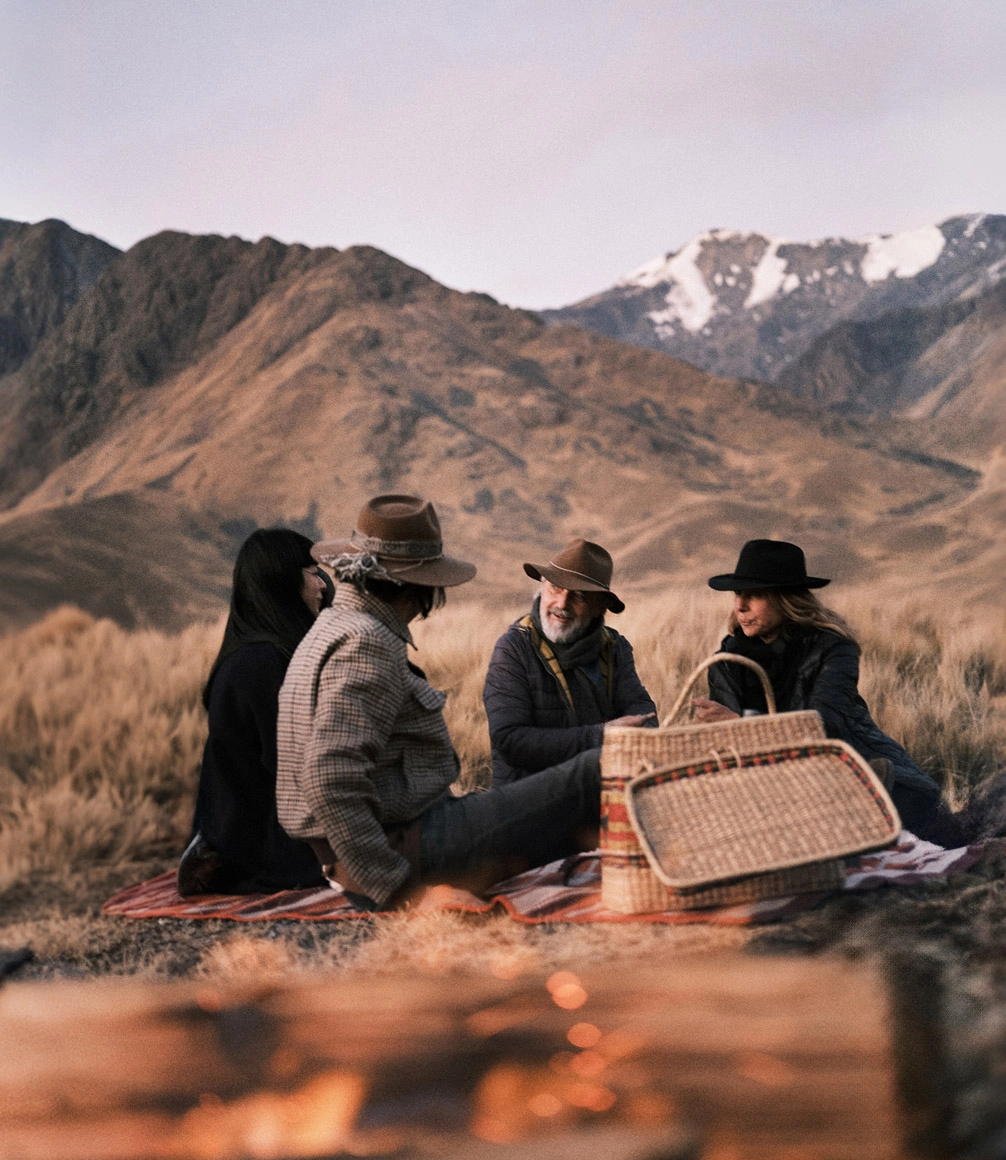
{"x": 744, "y": 304}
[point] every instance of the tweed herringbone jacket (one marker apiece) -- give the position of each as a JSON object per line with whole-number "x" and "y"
{"x": 361, "y": 739}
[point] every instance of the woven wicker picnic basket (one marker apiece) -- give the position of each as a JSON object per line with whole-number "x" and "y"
{"x": 770, "y": 811}
{"x": 628, "y": 881}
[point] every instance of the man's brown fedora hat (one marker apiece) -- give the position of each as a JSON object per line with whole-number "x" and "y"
{"x": 580, "y": 567}
{"x": 397, "y": 537}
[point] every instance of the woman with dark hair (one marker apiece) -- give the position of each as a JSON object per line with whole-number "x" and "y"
{"x": 237, "y": 844}
{"x": 812, "y": 661}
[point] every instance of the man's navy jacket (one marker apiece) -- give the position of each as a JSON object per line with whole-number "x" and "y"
{"x": 532, "y": 724}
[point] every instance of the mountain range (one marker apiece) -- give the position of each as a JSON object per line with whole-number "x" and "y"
{"x": 840, "y": 321}
{"x": 158, "y": 404}
{"x": 44, "y": 269}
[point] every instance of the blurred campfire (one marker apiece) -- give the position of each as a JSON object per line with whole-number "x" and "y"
{"x": 723, "y": 1058}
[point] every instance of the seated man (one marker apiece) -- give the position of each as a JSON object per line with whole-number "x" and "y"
{"x": 559, "y": 675}
{"x": 364, "y": 756}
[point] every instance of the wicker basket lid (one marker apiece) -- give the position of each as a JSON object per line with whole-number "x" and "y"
{"x": 720, "y": 819}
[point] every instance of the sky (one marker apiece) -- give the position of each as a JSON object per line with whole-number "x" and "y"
{"x": 533, "y": 150}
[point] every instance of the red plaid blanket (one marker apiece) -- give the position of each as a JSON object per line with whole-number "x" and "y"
{"x": 566, "y": 891}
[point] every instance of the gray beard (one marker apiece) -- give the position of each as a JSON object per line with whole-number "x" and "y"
{"x": 568, "y": 632}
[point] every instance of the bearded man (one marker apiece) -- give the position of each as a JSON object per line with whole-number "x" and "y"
{"x": 559, "y": 676}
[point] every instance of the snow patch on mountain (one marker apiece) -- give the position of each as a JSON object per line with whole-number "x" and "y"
{"x": 650, "y": 274}
{"x": 997, "y": 271}
{"x": 769, "y": 277}
{"x": 904, "y": 255}
{"x": 689, "y": 300}
{"x": 667, "y": 267}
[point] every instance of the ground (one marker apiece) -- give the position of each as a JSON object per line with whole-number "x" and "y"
{"x": 941, "y": 947}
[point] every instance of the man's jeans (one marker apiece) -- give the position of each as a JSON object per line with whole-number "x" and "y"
{"x": 482, "y": 838}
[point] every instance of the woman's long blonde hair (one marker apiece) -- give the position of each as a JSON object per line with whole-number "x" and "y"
{"x": 801, "y": 606}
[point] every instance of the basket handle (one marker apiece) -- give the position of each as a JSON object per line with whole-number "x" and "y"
{"x": 715, "y": 659}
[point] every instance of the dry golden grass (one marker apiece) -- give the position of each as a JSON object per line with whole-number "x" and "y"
{"x": 101, "y": 733}
{"x": 444, "y": 942}
{"x": 938, "y": 684}
{"x": 101, "y": 730}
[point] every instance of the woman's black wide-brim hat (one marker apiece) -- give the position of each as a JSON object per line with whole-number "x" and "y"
{"x": 767, "y": 564}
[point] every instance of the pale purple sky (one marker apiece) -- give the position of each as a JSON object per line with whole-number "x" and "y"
{"x": 534, "y": 149}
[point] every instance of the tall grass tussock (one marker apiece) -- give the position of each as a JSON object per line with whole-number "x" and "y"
{"x": 101, "y": 730}
{"x": 101, "y": 735}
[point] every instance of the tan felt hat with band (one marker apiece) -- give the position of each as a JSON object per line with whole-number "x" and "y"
{"x": 580, "y": 567}
{"x": 397, "y": 537}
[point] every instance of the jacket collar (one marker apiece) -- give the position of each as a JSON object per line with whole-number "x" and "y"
{"x": 358, "y": 599}
{"x": 543, "y": 647}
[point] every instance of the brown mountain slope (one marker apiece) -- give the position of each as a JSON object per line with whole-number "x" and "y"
{"x": 44, "y": 270}
{"x": 945, "y": 368}
{"x": 353, "y": 373}
{"x": 139, "y": 559}
{"x": 964, "y": 411}
{"x": 153, "y": 310}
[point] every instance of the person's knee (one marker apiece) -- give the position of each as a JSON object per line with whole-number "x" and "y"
{"x": 591, "y": 767}
{"x": 587, "y": 763}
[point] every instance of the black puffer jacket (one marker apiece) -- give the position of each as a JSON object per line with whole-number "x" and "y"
{"x": 820, "y": 670}
{"x": 531, "y": 722}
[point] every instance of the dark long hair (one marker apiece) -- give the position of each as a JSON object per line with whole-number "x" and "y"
{"x": 266, "y": 600}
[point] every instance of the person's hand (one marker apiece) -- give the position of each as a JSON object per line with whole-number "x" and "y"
{"x": 423, "y": 897}
{"x": 442, "y": 897}
{"x": 706, "y": 710}
{"x": 633, "y": 721}
{"x": 409, "y": 894}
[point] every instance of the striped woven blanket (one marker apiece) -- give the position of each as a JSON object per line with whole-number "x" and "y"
{"x": 566, "y": 891}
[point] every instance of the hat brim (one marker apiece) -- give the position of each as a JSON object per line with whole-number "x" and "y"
{"x": 573, "y": 582}
{"x": 441, "y": 572}
{"x": 731, "y": 582}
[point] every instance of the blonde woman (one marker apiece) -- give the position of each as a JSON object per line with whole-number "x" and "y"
{"x": 812, "y": 660}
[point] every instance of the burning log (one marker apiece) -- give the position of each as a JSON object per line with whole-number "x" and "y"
{"x": 728, "y": 1059}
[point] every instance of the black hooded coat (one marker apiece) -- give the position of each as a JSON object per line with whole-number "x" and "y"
{"x": 813, "y": 668}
